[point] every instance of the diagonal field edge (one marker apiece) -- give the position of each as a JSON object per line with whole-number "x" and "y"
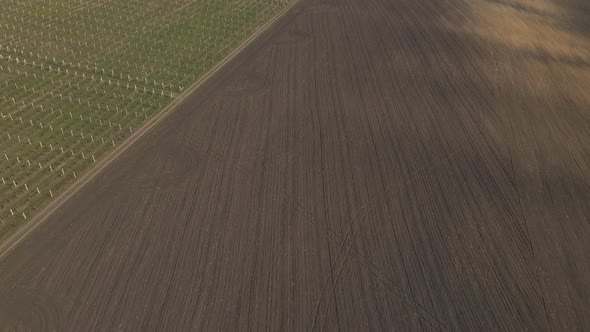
{"x": 12, "y": 241}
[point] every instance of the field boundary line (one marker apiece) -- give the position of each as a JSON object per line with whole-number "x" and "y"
{"x": 15, "y": 239}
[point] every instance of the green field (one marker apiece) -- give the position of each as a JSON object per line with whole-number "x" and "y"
{"x": 78, "y": 77}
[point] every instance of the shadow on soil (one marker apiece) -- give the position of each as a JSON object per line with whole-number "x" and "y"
{"x": 578, "y": 16}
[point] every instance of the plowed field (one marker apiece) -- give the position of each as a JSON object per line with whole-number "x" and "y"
{"x": 363, "y": 165}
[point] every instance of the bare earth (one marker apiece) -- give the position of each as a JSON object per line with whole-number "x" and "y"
{"x": 363, "y": 165}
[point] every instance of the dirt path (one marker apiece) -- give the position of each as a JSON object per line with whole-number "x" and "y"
{"x": 362, "y": 165}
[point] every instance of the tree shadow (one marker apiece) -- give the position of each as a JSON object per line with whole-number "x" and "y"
{"x": 576, "y": 18}
{"x": 542, "y": 55}
{"x": 521, "y": 8}
{"x": 578, "y": 12}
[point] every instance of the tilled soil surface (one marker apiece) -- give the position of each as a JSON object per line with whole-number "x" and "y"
{"x": 364, "y": 165}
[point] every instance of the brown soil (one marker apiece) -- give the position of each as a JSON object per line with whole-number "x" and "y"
{"x": 6, "y": 77}
{"x": 364, "y": 165}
